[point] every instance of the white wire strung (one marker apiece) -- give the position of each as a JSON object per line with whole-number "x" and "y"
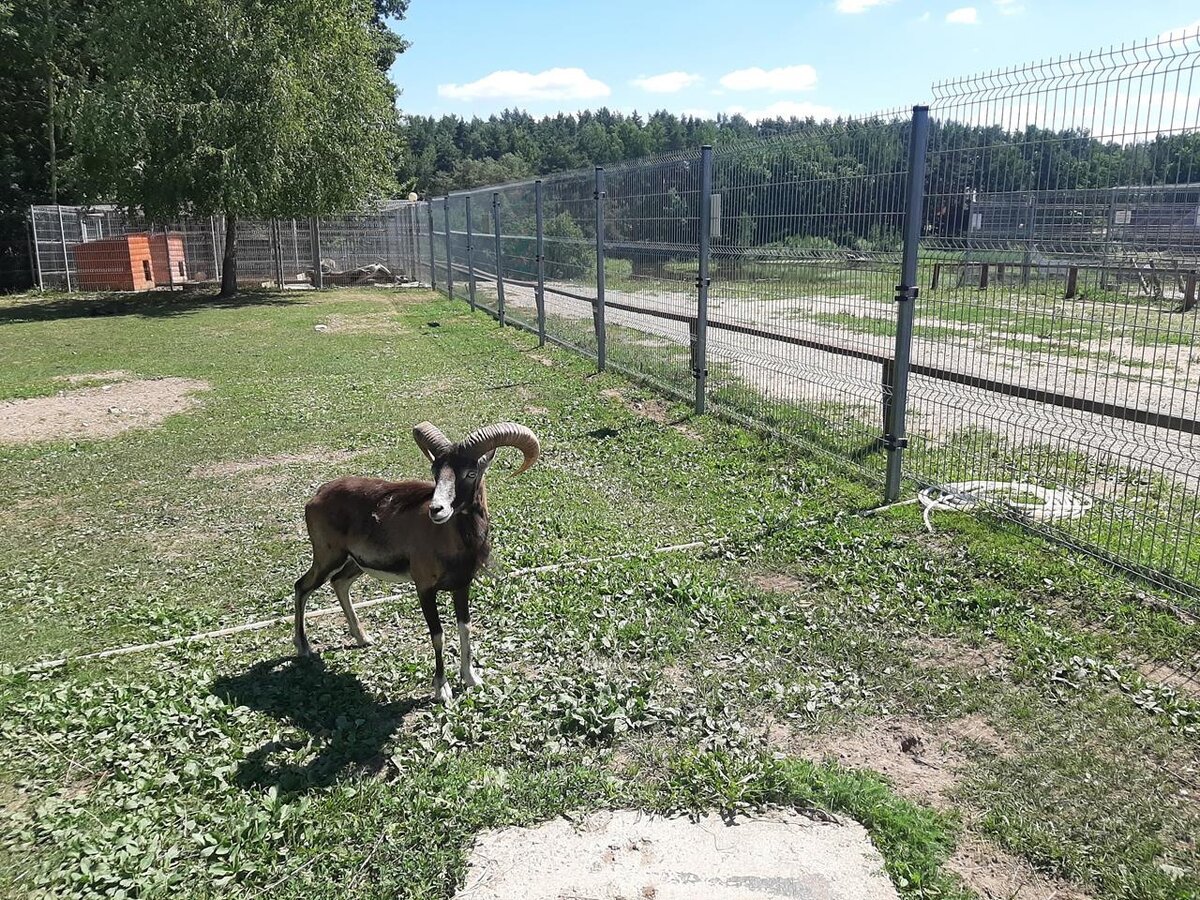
{"x": 1028, "y": 501}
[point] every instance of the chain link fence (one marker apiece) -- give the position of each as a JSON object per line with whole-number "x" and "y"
{"x": 990, "y": 300}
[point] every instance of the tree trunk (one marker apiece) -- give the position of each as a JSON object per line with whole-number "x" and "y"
{"x": 51, "y": 103}
{"x": 229, "y": 267}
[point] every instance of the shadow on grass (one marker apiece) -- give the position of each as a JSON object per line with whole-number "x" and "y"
{"x": 347, "y": 724}
{"x": 149, "y": 304}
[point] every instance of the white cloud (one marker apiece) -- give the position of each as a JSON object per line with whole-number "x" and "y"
{"x": 1009, "y": 7}
{"x": 925, "y": 16}
{"x": 854, "y": 7}
{"x": 1183, "y": 31}
{"x": 666, "y": 83}
{"x": 785, "y": 109}
{"x": 965, "y": 15}
{"x": 552, "y": 84}
{"x": 787, "y": 78}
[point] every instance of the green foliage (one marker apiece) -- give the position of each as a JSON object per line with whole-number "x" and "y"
{"x": 568, "y": 255}
{"x": 679, "y": 682}
{"x": 241, "y": 108}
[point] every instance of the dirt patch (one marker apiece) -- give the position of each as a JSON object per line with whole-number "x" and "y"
{"x": 1171, "y": 676}
{"x": 97, "y": 412}
{"x": 654, "y": 409}
{"x": 930, "y": 652}
{"x": 273, "y": 461}
{"x": 922, "y": 763}
{"x": 778, "y": 582}
{"x": 996, "y": 875}
{"x": 97, "y": 377}
{"x": 367, "y": 323}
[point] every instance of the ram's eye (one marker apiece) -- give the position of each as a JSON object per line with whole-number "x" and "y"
{"x": 469, "y": 474}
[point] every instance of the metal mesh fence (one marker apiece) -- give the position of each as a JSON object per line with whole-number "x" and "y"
{"x": 1000, "y": 290}
{"x": 104, "y": 248}
{"x": 1054, "y": 342}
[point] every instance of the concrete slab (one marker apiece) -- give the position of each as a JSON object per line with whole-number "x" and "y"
{"x": 629, "y": 855}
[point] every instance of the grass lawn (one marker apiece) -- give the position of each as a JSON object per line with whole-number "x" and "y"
{"x": 1049, "y": 714}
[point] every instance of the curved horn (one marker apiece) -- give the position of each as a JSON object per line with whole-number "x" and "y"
{"x": 431, "y": 440}
{"x": 504, "y": 434}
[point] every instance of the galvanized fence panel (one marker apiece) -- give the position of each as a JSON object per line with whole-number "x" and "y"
{"x": 805, "y": 259}
{"x": 1055, "y": 341}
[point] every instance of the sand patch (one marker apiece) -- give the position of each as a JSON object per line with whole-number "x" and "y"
{"x": 922, "y": 761}
{"x": 778, "y": 582}
{"x": 996, "y": 875}
{"x": 233, "y": 467}
{"x": 1171, "y": 676}
{"x": 367, "y": 323}
{"x": 97, "y": 377}
{"x": 930, "y": 652}
{"x": 654, "y": 409}
{"x": 97, "y": 412}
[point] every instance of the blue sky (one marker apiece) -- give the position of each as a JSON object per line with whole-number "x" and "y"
{"x": 757, "y": 57}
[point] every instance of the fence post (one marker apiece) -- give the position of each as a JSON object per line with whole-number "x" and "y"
{"x": 314, "y": 231}
{"x": 37, "y": 253}
{"x": 212, "y": 230}
{"x": 449, "y": 254}
{"x": 296, "y": 247}
{"x": 432, "y": 261}
{"x": 598, "y": 310}
{"x": 499, "y": 257}
{"x": 470, "y": 253}
{"x": 62, "y": 233}
{"x": 278, "y": 253}
{"x": 700, "y": 353}
{"x": 895, "y": 439}
{"x": 539, "y": 295}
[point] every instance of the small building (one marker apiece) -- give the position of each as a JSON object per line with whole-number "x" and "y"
{"x": 115, "y": 264}
{"x": 167, "y": 261}
{"x": 131, "y": 262}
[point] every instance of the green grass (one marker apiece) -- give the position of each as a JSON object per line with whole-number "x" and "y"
{"x": 225, "y": 769}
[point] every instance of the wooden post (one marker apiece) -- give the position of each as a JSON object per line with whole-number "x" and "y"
{"x": 1072, "y": 281}
{"x": 983, "y": 276}
{"x": 937, "y": 276}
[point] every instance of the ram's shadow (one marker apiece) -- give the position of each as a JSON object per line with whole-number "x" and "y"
{"x": 346, "y": 724}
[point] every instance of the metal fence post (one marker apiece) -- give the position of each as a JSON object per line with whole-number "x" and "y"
{"x": 470, "y": 253}
{"x": 314, "y": 231}
{"x": 700, "y": 351}
{"x": 37, "y": 253}
{"x": 432, "y": 261}
{"x": 539, "y": 295}
{"x": 895, "y": 439}
{"x": 598, "y": 310}
{"x": 449, "y": 252}
{"x": 499, "y": 257}
{"x": 62, "y": 233}
{"x": 212, "y": 230}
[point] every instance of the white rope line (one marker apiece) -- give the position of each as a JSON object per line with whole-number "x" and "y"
{"x": 329, "y": 610}
{"x": 1047, "y": 504}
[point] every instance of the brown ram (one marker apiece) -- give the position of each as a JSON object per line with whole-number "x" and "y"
{"x": 432, "y": 533}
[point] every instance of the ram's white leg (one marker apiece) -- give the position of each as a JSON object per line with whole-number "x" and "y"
{"x": 467, "y": 671}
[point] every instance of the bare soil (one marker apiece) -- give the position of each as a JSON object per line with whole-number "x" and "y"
{"x": 922, "y": 760}
{"x": 1171, "y": 676}
{"x": 234, "y": 467}
{"x": 996, "y": 875}
{"x": 97, "y": 412}
{"x": 654, "y": 409}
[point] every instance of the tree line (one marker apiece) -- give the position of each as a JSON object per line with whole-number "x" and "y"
{"x": 242, "y": 108}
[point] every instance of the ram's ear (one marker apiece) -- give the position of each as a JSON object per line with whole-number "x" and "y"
{"x": 486, "y": 460}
